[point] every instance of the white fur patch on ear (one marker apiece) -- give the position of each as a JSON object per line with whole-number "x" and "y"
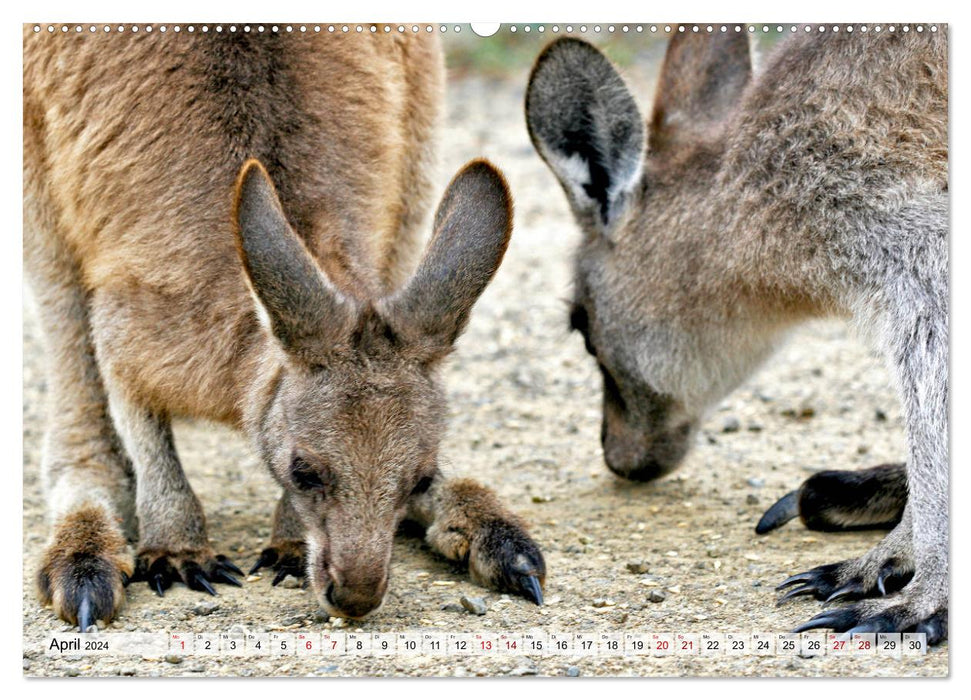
{"x": 573, "y": 171}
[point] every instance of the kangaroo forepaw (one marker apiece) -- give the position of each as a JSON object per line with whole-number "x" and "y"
{"x": 286, "y": 557}
{"x": 843, "y": 500}
{"x": 849, "y": 580}
{"x": 85, "y": 569}
{"x": 198, "y": 569}
{"x": 901, "y": 612}
{"x": 503, "y": 556}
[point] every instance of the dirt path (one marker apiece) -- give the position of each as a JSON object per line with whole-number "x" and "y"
{"x": 525, "y": 419}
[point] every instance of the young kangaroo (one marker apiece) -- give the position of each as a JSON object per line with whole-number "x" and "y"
{"x": 817, "y": 188}
{"x": 224, "y": 226}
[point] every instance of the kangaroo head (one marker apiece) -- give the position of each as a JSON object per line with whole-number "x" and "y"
{"x": 641, "y": 276}
{"x": 353, "y": 418}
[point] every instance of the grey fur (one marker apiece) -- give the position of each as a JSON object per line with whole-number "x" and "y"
{"x": 819, "y": 189}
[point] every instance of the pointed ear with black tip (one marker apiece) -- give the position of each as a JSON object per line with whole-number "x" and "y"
{"x": 305, "y": 312}
{"x": 585, "y": 124}
{"x": 472, "y": 227}
{"x": 701, "y": 80}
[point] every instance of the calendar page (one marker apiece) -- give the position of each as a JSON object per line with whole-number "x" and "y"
{"x": 516, "y": 349}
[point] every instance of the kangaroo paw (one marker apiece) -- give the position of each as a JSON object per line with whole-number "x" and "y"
{"x": 85, "y": 569}
{"x": 906, "y": 611}
{"x": 198, "y": 569}
{"x": 504, "y": 557}
{"x": 885, "y": 569}
{"x": 286, "y": 557}
{"x": 843, "y": 500}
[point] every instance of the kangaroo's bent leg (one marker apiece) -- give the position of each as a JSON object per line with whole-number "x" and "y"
{"x": 287, "y": 552}
{"x": 465, "y": 521}
{"x": 843, "y": 500}
{"x": 173, "y": 544}
{"x": 86, "y": 475}
{"x": 917, "y": 349}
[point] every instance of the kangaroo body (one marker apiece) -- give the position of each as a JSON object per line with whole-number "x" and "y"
{"x": 745, "y": 205}
{"x": 225, "y": 226}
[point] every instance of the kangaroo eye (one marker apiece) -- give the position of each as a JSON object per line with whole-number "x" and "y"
{"x": 306, "y": 476}
{"x": 423, "y": 485}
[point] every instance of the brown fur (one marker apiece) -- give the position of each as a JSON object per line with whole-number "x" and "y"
{"x": 142, "y": 156}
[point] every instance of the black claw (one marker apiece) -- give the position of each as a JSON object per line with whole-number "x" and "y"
{"x": 808, "y": 589}
{"x": 531, "y": 589}
{"x": 784, "y": 510}
{"x": 280, "y": 575}
{"x": 798, "y": 578}
{"x": 853, "y": 590}
{"x": 220, "y": 576}
{"x": 199, "y": 578}
{"x": 125, "y": 580}
{"x": 159, "y": 584}
{"x": 267, "y": 557}
{"x": 85, "y": 612}
{"x": 225, "y": 563}
{"x": 842, "y": 620}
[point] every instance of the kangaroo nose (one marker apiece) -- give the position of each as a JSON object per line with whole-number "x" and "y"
{"x": 353, "y": 603}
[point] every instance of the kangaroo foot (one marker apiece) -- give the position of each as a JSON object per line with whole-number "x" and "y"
{"x": 198, "y": 569}
{"x": 85, "y": 569}
{"x": 286, "y": 557}
{"x": 910, "y": 610}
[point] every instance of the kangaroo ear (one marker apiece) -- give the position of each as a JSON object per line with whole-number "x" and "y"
{"x": 585, "y": 124}
{"x": 306, "y": 314}
{"x": 701, "y": 80}
{"x": 471, "y": 232}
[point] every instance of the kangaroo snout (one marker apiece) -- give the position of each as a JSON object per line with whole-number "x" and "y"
{"x": 351, "y": 580}
{"x": 356, "y": 600}
{"x": 642, "y": 455}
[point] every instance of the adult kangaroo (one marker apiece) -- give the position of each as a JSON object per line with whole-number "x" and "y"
{"x": 747, "y": 204}
{"x": 226, "y": 226}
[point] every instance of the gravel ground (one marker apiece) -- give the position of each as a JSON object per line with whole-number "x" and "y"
{"x": 525, "y": 418}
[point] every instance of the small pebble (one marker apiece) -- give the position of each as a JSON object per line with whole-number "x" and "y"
{"x": 252, "y": 578}
{"x": 290, "y": 582}
{"x": 206, "y": 607}
{"x": 127, "y": 671}
{"x": 637, "y": 567}
{"x": 476, "y": 606}
{"x": 880, "y": 415}
{"x": 731, "y": 425}
{"x": 752, "y": 499}
{"x": 573, "y": 672}
{"x": 173, "y": 659}
{"x": 603, "y": 603}
{"x": 26, "y": 664}
{"x": 453, "y": 607}
{"x": 523, "y": 671}
{"x": 755, "y": 482}
{"x": 656, "y": 596}
{"x": 71, "y": 672}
